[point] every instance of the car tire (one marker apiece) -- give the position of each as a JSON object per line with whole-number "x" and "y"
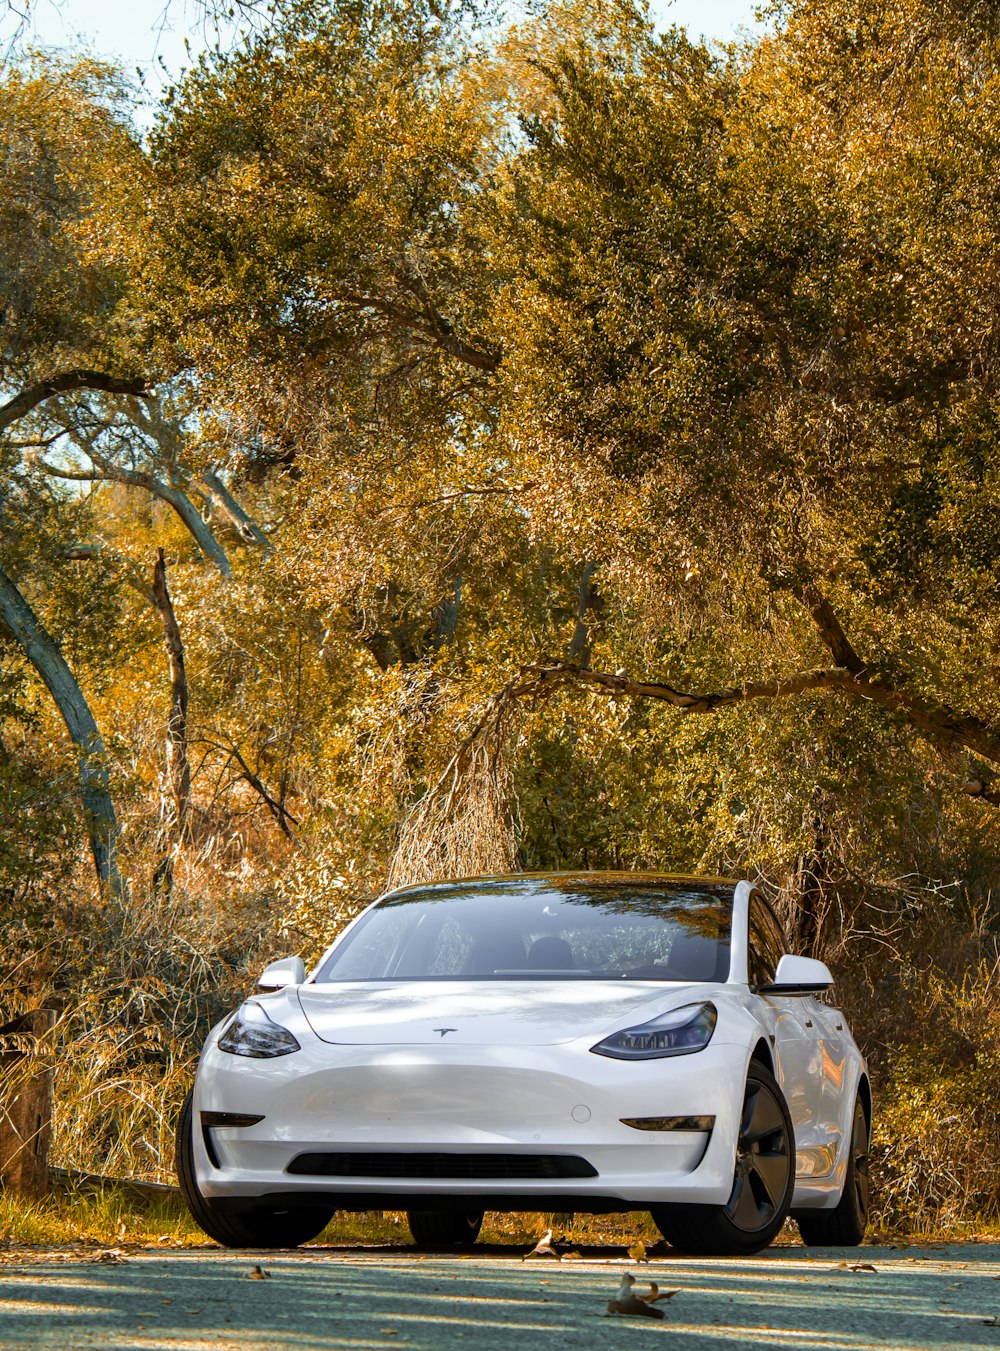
{"x": 845, "y": 1225}
{"x": 763, "y": 1181}
{"x": 264, "y": 1227}
{"x": 444, "y": 1228}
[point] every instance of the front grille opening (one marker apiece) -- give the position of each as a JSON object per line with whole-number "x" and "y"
{"x": 441, "y": 1167}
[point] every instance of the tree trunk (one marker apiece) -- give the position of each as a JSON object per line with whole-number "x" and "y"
{"x": 446, "y": 614}
{"x": 26, "y": 1104}
{"x": 191, "y": 517}
{"x": 812, "y": 902}
{"x": 228, "y": 507}
{"x": 95, "y": 785}
{"x": 178, "y": 764}
{"x": 590, "y": 600}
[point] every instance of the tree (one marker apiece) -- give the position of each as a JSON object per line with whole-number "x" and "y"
{"x": 44, "y": 655}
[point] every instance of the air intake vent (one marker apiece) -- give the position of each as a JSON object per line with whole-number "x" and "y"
{"x": 439, "y": 1167}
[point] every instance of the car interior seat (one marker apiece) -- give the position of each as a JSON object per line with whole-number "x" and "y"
{"x": 550, "y": 953}
{"x": 695, "y": 957}
{"x": 494, "y": 952}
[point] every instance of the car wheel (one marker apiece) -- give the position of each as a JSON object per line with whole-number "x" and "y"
{"x": 265, "y": 1227}
{"x": 844, "y": 1227}
{"x": 444, "y": 1228}
{"x": 762, "y": 1182}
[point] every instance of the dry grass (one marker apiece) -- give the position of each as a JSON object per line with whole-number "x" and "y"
{"x": 106, "y": 1217}
{"x": 99, "y": 1218}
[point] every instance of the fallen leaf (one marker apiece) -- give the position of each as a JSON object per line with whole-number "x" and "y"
{"x": 110, "y": 1256}
{"x": 633, "y": 1308}
{"x": 258, "y": 1274}
{"x": 637, "y": 1252}
{"x": 863, "y": 1266}
{"x": 656, "y": 1293}
{"x": 629, "y": 1304}
{"x": 542, "y": 1248}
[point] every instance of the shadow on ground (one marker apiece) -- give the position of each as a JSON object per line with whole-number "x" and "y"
{"x": 320, "y": 1298}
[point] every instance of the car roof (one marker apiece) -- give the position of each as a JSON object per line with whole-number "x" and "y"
{"x": 592, "y": 879}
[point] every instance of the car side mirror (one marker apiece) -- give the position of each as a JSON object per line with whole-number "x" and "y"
{"x": 799, "y": 975}
{"x": 289, "y": 971}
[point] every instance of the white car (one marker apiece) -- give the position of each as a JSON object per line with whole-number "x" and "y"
{"x": 564, "y": 1042}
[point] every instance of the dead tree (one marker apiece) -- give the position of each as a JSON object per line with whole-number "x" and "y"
{"x": 177, "y": 761}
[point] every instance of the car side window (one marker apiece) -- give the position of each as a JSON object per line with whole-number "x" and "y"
{"x": 766, "y": 942}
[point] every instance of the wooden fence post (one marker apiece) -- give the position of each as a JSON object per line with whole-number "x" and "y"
{"x": 26, "y": 1103}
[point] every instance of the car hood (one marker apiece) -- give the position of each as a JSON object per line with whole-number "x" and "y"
{"x": 480, "y": 1013}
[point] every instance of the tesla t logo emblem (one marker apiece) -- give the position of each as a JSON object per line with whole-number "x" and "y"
{"x": 444, "y": 1030}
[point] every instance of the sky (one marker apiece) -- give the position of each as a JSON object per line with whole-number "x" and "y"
{"x": 149, "y": 34}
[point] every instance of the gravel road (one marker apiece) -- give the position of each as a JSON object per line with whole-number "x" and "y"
{"x": 319, "y": 1298}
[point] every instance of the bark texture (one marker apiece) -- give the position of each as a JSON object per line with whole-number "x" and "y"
{"x": 26, "y": 1103}
{"x": 230, "y": 510}
{"x": 64, "y": 383}
{"x": 178, "y": 763}
{"x": 95, "y": 787}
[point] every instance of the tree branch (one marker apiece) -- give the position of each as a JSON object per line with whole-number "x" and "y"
{"x": 435, "y": 327}
{"x": 108, "y": 472}
{"x": 280, "y": 813}
{"x": 178, "y": 765}
{"x": 935, "y": 723}
{"x": 831, "y": 631}
{"x": 65, "y": 383}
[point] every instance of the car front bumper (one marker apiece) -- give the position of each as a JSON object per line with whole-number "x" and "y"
{"x": 474, "y": 1101}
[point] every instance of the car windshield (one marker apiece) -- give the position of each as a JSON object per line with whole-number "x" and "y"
{"x": 560, "y": 928}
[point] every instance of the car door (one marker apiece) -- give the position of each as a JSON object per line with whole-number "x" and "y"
{"x": 833, "y": 1113}
{"x": 796, "y": 1040}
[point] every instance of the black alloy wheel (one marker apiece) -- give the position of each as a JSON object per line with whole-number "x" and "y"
{"x": 845, "y": 1225}
{"x": 763, "y": 1179}
{"x": 444, "y": 1228}
{"x": 763, "y": 1161}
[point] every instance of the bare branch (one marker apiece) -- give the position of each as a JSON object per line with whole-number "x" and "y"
{"x": 178, "y": 765}
{"x": 280, "y": 813}
{"x": 227, "y": 506}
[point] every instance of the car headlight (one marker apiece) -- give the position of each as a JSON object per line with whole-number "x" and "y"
{"x": 680, "y": 1032}
{"x": 253, "y": 1033}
